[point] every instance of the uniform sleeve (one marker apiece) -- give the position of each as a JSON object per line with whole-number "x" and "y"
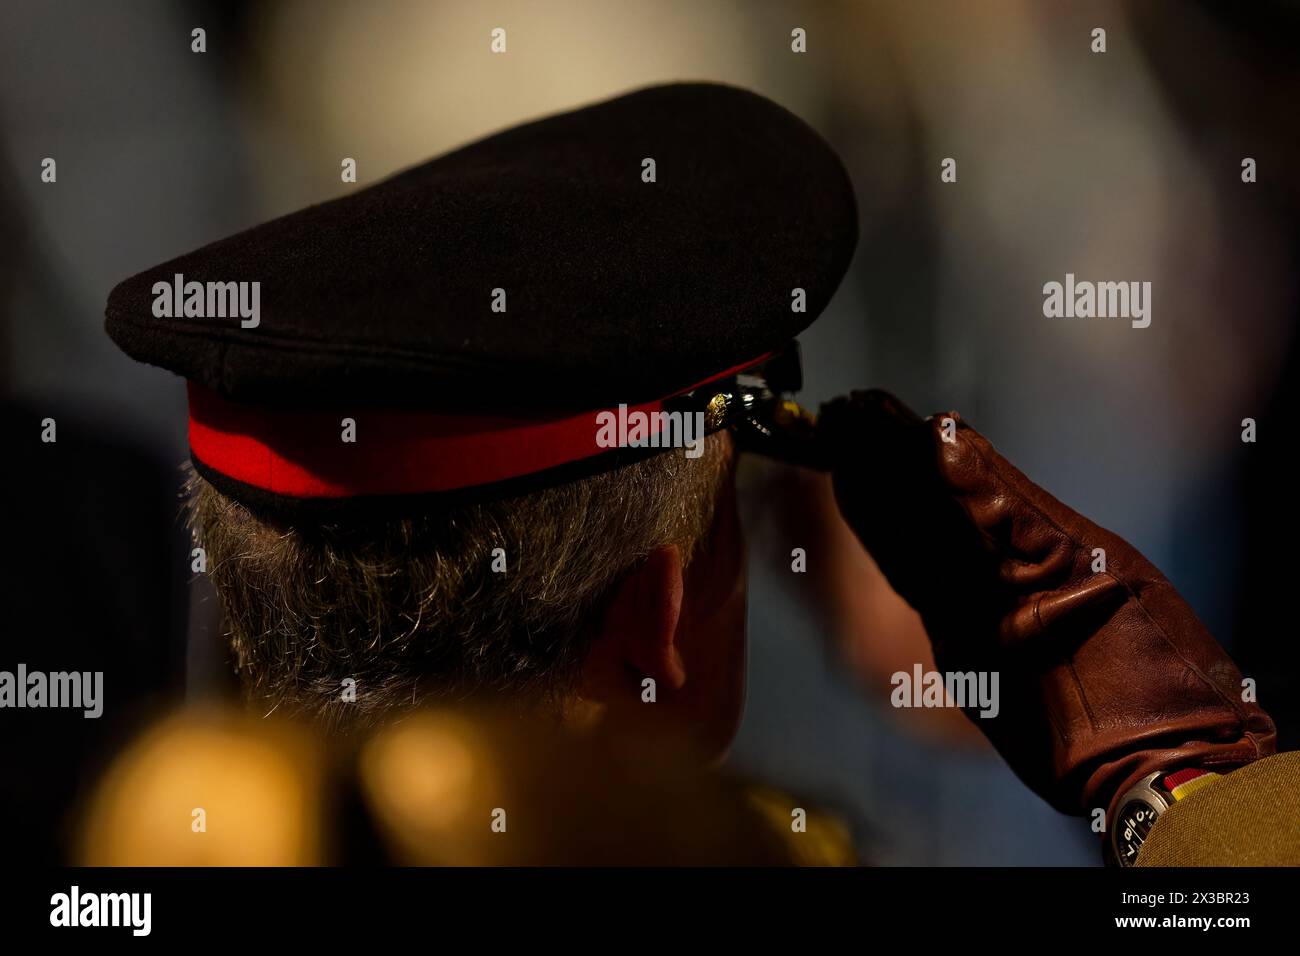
{"x": 1251, "y": 817}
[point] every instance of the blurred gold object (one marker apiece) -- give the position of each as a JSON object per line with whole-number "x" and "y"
{"x": 791, "y": 414}
{"x": 440, "y": 787}
{"x": 432, "y": 786}
{"x": 208, "y": 789}
{"x": 824, "y": 840}
{"x": 443, "y": 789}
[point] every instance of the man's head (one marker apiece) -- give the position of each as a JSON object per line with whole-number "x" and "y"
{"x": 454, "y": 328}
{"x": 565, "y": 600}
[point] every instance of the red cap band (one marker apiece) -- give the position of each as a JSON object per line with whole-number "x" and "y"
{"x": 299, "y": 453}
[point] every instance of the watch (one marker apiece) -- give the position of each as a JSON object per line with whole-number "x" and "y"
{"x": 1142, "y": 805}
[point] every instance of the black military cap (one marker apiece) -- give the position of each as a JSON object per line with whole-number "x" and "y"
{"x": 470, "y": 314}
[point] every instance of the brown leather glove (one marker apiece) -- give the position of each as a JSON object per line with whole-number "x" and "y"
{"x": 1104, "y": 676}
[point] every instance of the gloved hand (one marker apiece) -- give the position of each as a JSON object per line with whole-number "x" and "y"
{"x": 1105, "y": 675}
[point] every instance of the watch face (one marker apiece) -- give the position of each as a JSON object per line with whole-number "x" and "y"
{"x": 1134, "y": 822}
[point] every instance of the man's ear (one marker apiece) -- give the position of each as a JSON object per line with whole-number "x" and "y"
{"x": 640, "y": 627}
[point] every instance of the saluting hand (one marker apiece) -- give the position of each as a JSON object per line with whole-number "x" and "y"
{"x": 1106, "y": 674}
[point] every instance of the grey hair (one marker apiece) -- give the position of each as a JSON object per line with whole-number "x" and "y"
{"x": 411, "y": 608}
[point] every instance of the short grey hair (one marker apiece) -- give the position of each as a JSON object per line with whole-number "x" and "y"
{"x": 411, "y": 609}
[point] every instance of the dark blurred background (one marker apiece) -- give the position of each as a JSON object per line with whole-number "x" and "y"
{"x": 1123, "y": 165}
